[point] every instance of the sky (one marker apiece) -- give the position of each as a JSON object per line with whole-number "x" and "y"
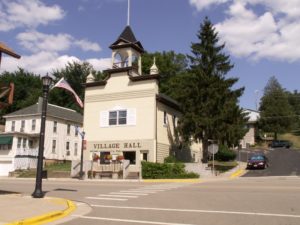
{"x": 262, "y": 37}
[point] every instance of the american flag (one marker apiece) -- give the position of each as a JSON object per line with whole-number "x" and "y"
{"x": 62, "y": 83}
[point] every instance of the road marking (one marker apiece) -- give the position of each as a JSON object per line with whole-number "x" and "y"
{"x": 120, "y": 196}
{"x": 128, "y": 193}
{"x": 201, "y": 211}
{"x": 146, "y": 192}
{"x": 127, "y": 220}
{"x": 113, "y": 199}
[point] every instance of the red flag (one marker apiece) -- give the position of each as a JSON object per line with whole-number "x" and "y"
{"x": 62, "y": 83}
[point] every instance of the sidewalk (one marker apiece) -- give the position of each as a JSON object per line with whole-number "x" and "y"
{"x": 17, "y": 209}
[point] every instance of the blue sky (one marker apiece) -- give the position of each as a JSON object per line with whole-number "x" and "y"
{"x": 261, "y": 36}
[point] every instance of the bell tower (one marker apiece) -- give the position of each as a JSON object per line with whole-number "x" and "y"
{"x": 127, "y": 51}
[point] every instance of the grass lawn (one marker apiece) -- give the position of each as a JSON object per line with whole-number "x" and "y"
{"x": 53, "y": 170}
{"x": 223, "y": 166}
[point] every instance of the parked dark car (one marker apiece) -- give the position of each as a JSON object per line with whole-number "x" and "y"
{"x": 280, "y": 144}
{"x": 257, "y": 161}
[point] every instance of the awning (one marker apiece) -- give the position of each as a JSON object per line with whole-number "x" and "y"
{"x": 6, "y": 140}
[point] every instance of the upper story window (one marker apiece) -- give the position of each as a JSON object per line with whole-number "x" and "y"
{"x": 33, "y": 124}
{"x": 54, "y": 126}
{"x": 68, "y": 129}
{"x": 118, "y": 117}
{"x": 75, "y": 149}
{"x": 165, "y": 118}
{"x": 24, "y": 142}
{"x": 22, "y": 126}
{"x": 76, "y": 131}
{"x": 13, "y": 125}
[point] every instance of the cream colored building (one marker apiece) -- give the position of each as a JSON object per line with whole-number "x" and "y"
{"x": 249, "y": 138}
{"x": 125, "y": 115}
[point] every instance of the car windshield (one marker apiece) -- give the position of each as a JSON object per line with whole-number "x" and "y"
{"x": 257, "y": 157}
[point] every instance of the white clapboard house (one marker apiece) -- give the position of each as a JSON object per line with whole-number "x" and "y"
{"x": 20, "y": 141}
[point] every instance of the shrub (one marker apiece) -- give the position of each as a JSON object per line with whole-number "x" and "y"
{"x": 165, "y": 170}
{"x": 225, "y": 154}
{"x": 170, "y": 159}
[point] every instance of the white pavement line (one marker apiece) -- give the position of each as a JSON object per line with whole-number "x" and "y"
{"x": 118, "y": 196}
{"x": 113, "y": 199}
{"x": 146, "y": 192}
{"x": 130, "y": 221}
{"x": 128, "y": 193}
{"x": 201, "y": 211}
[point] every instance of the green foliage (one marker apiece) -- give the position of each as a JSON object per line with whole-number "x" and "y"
{"x": 170, "y": 159}
{"x": 165, "y": 171}
{"x": 225, "y": 154}
{"x": 209, "y": 102}
{"x": 276, "y": 114}
{"x": 28, "y": 88}
{"x": 169, "y": 64}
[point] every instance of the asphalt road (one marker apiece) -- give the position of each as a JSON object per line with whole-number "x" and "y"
{"x": 283, "y": 162}
{"x": 247, "y": 201}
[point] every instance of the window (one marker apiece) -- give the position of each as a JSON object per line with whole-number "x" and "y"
{"x": 165, "y": 118}
{"x": 174, "y": 121}
{"x": 33, "y": 122}
{"x": 68, "y": 129}
{"x": 13, "y": 124}
{"x": 30, "y": 143}
{"x": 75, "y": 149}
{"x": 67, "y": 148}
{"x": 19, "y": 142}
{"x": 53, "y": 146}
{"x": 145, "y": 156}
{"x": 54, "y": 126}
{"x": 76, "y": 131}
{"x": 22, "y": 126}
{"x": 118, "y": 117}
{"x": 130, "y": 156}
{"x": 24, "y": 142}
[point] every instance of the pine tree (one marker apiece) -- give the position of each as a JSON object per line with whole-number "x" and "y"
{"x": 210, "y": 106}
{"x": 276, "y": 113}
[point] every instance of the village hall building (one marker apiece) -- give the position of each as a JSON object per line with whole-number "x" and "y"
{"x": 125, "y": 115}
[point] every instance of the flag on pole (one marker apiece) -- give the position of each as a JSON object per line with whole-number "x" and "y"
{"x": 62, "y": 83}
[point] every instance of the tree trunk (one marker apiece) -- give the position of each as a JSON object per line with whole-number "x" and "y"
{"x": 205, "y": 150}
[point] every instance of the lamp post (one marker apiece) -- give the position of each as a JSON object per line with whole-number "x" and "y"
{"x": 81, "y": 173}
{"x": 38, "y": 193}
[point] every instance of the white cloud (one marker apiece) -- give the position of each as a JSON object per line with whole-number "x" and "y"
{"x": 36, "y": 41}
{"x": 86, "y": 45}
{"x": 205, "y": 4}
{"x": 27, "y": 13}
{"x": 45, "y": 62}
{"x": 272, "y": 33}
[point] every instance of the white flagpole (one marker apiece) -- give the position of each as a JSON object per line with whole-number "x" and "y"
{"x": 128, "y": 14}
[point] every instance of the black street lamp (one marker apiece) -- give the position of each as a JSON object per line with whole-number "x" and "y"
{"x": 38, "y": 193}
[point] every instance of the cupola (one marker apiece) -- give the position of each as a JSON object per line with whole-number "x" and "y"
{"x": 127, "y": 51}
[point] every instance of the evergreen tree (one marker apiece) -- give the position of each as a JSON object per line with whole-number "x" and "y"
{"x": 276, "y": 113}
{"x": 210, "y": 106}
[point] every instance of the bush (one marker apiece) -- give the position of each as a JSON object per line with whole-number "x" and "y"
{"x": 225, "y": 154}
{"x": 165, "y": 171}
{"x": 170, "y": 159}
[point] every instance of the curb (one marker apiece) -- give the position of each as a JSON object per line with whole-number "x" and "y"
{"x": 48, "y": 217}
{"x": 237, "y": 173}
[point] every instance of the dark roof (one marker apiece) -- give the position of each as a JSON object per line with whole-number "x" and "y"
{"x": 168, "y": 101}
{"x": 127, "y": 36}
{"x": 52, "y": 111}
